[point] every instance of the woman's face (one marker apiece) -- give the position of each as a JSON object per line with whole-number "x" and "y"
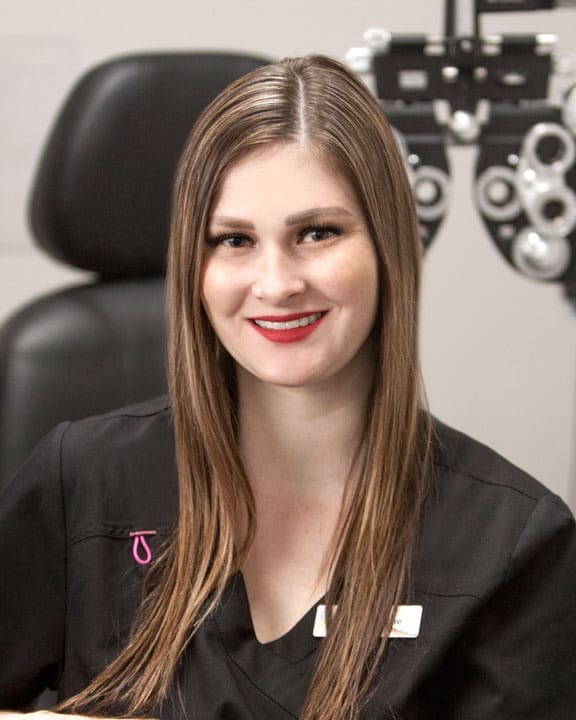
{"x": 290, "y": 279}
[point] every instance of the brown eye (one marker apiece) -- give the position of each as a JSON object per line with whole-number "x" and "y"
{"x": 230, "y": 241}
{"x": 318, "y": 233}
{"x": 236, "y": 241}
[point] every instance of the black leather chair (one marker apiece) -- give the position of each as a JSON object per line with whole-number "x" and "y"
{"x": 101, "y": 202}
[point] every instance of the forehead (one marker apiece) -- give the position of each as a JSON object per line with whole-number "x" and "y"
{"x": 288, "y": 177}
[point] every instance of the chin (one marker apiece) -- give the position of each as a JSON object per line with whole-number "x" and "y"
{"x": 289, "y": 380}
{"x": 290, "y": 377}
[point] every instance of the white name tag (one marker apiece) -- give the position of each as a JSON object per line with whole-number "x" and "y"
{"x": 406, "y": 623}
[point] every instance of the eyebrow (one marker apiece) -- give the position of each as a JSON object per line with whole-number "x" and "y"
{"x": 300, "y": 217}
{"x": 232, "y": 222}
{"x": 315, "y": 213}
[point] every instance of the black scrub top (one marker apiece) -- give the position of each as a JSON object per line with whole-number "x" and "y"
{"x": 495, "y": 574}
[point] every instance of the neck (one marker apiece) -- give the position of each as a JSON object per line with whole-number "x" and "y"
{"x": 302, "y": 439}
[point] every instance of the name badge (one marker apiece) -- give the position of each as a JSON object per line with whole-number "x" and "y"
{"x": 406, "y": 623}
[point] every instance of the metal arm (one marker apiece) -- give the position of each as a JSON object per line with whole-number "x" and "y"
{"x": 493, "y": 91}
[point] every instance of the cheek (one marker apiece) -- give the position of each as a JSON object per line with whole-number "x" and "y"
{"x": 356, "y": 283}
{"x": 221, "y": 290}
{"x": 211, "y": 293}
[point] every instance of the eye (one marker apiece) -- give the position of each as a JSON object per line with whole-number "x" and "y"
{"x": 230, "y": 241}
{"x": 317, "y": 233}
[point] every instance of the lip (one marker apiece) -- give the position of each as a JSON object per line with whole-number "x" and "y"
{"x": 287, "y": 318}
{"x": 287, "y": 335}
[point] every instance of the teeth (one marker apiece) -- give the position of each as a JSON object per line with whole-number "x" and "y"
{"x": 290, "y": 325}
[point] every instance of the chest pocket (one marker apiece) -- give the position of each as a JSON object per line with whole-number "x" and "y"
{"x": 106, "y": 567}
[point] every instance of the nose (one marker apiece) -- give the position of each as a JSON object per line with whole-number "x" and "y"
{"x": 278, "y": 276}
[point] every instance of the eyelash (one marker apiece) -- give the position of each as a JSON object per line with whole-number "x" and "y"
{"x": 221, "y": 239}
{"x": 316, "y": 228}
{"x": 320, "y": 228}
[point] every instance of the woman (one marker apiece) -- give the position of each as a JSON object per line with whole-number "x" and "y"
{"x": 333, "y": 557}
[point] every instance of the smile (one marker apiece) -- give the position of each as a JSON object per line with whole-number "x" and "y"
{"x": 288, "y": 328}
{"x": 289, "y": 324}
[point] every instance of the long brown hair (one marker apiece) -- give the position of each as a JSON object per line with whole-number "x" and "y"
{"x": 317, "y": 101}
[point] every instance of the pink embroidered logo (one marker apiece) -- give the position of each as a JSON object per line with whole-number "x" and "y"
{"x": 140, "y": 548}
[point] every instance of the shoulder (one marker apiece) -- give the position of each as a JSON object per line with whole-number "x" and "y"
{"x": 134, "y": 424}
{"x": 73, "y": 450}
{"x": 460, "y": 458}
{"x": 119, "y": 466}
{"x": 495, "y": 575}
{"x": 484, "y": 516}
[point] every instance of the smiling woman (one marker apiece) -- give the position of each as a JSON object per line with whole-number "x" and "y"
{"x": 291, "y": 534}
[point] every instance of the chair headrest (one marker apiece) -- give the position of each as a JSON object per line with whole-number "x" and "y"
{"x": 101, "y": 197}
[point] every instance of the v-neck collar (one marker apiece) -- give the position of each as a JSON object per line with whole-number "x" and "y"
{"x": 281, "y": 669}
{"x": 234, "y": 621}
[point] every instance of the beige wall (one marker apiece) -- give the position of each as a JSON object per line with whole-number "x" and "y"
{"x": 499, "y": 350}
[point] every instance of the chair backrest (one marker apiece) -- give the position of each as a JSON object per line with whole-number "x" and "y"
{"x": 101, "y": 202}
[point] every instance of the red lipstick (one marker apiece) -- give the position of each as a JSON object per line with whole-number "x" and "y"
{"x": 300, "y": 326}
